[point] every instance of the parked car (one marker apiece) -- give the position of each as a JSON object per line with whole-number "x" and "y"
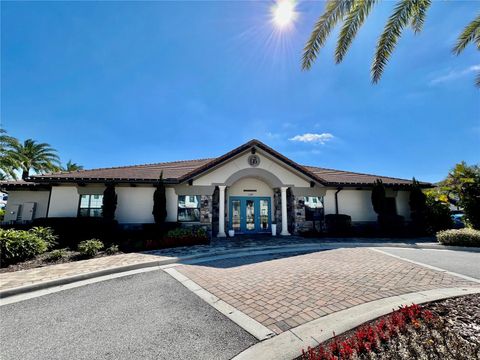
{"x": 458, "y": 220}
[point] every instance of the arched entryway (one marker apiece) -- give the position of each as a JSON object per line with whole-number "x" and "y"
{"x": 247, "y": 200}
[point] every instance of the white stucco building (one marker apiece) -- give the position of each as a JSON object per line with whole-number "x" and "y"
{"x": 245, "y": 190}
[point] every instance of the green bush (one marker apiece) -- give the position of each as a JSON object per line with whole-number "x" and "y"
{"x": 112, "y": 249}
{"x": 437, "y": 215}
{"x": 185, "y": 237}
{"x": 2, "y": 214}
{"x": 20, "y": 245}
{"x": 464, "y": 237}
{"x": 46, "y": 234}
{"x": 90, "y": 248}
{"x": 338, "y": 224}
{"x": 57, "y": 254}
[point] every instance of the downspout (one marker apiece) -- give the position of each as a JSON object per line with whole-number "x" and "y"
{"x": 336, "y": 200}
{"x": 48, "y": 204}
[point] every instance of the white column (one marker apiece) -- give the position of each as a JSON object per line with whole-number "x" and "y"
{"x": 284, "y": 212}
{"x": 221, "y": 212}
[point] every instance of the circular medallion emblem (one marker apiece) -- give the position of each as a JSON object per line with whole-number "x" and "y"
{"x": 253, "y": 160}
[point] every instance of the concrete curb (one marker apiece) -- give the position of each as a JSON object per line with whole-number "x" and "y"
{"x": 174, "y": 260}
{"x": 261, "y": 250}
{"x": 289, "y": 344}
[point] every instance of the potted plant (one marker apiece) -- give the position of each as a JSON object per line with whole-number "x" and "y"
{"x": 274, "y": 229}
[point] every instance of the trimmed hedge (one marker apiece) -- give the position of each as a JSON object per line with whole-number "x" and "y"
{"x": 338, "y": 224}
{"x": 71, "y": 231}
{"x": 463, "y": 237}
{"x": 185, "y": 237}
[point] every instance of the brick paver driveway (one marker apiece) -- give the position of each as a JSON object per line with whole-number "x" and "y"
{"x": 284, "y": 293}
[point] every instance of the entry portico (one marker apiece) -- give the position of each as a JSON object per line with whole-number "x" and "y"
{"x": 252, "y": 183}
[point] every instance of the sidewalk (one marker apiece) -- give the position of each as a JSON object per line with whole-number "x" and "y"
{"x": 124, "y": 262}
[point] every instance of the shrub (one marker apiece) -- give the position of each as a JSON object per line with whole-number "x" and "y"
{"x": 160, "y": 202}
{"x": 379, "y": 197}
{"x": 338, "y": 223}
{"x": 437, "y": 214}
{"x": 56, "y": 255}
{"x": 112, "y": 249}
{"x": 109, "y": 204}
{"x": 365, "y": 340}
{"x": 71, "y": 231}
{"x": 90, "y": 248}
{"x": 465, "y": 237}
{"x": 391, "y": 224}
{"x": 185, "y": 237}
{"x": 20, "y": 245}
{"x": 46, "y": 234}
{"x": 2, "y": 214}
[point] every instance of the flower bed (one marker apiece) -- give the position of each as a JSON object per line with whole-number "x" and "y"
{"x": 412, "y": 332}
{"x": 185, "y": 237}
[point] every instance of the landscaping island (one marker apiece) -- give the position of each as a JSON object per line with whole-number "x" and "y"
{"x": 447, "y": 329}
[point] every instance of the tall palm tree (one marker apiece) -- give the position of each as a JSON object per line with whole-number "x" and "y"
{"x": 71, "y": 166}
{"x": 353, "y": 13}
{"x": 7, "y": 163}
{"x": 31, "y": 155}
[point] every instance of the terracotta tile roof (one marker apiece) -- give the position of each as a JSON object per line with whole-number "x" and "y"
{"x": 339, "y": 177}
{"x": 6, "y": 184}
{"x": 171, "y": 170}
{"x": 180, "y": 171}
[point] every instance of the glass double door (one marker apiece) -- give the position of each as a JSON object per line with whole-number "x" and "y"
{"x": 250, "y": 214}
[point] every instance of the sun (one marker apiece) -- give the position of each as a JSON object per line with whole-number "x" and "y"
{"x": 284, "y": 13}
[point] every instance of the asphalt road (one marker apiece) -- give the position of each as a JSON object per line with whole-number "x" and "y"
{"x": 144, "y": 316}
{"x": 461, "y": 262}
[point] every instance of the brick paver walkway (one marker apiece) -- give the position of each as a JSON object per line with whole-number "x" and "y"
{"x": 284, "y": 293}
{"x": 9, "y": 280}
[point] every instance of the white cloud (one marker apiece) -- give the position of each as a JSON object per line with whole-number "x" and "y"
{"x": 313, "y": 138}
{"x": 271, "y": 135}
{"x": 454, "y": 74}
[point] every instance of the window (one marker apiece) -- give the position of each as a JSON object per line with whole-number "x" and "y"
{"x": 313, "y": 208}
{"x": 90, "y": 206}
{"x": 189, "y": 208}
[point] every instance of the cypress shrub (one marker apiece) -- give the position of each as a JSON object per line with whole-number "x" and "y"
{"x": 160, "y": 203}
{"x": 418, "y": 208}
{"x": 109, "y": 204}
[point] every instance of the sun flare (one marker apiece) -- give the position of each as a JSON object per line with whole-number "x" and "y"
{"x": 284, "y": 13}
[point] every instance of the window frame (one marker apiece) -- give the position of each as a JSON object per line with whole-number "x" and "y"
{"x": 311, "y": 212}
{"x": 89, "y": 208}
{"x": 199, "y": 206}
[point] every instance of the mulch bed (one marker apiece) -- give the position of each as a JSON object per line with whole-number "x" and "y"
{"x": 446, "y": 329}
{"x": 43, "y": 260}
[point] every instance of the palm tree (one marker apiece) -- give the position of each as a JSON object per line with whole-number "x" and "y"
{"x": 31, "y": 155}
{"x": 7, "y": 162}
{"x": 71, "y": 166}
{"x": 352, "y": 15}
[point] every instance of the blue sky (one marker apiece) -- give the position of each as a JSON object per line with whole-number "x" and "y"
{"x": 124, "y": 83}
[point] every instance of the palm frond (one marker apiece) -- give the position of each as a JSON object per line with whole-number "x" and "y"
{"x": 477, "y": 79}
{"x": 419, "y": 13}
{"x": 469, "y": 34}
{"x": 30, "y": 155}
{"x": 400, "y": 19}
{"x": 334, "y": 12}
{"x": 353, "y": 22}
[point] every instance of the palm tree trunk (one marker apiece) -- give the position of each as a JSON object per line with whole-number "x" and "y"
{"x": 25, "y": 174}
